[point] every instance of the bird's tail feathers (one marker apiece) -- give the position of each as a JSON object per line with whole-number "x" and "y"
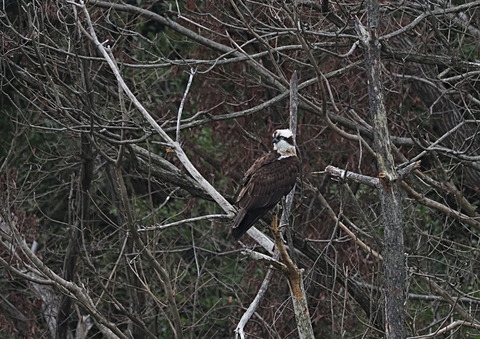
{"x": 244, "y": 220}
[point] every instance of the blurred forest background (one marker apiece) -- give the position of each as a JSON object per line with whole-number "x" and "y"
{"x": 105, "y": 232}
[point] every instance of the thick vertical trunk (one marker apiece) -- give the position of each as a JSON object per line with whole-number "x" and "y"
{"x": 394, "y": 263}
{"x": 389, "y": 191}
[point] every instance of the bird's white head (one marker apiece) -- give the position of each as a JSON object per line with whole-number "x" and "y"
{"x": 283, "y": 142}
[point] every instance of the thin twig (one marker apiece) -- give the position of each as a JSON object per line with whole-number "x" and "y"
{"x": 239, "y": 330}
{"x": 182, "y": 103}
{"x": 184, "y": 221}
{"x": 352, "y": 235}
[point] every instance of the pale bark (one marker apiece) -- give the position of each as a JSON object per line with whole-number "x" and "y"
{"x": 240, "y": 329}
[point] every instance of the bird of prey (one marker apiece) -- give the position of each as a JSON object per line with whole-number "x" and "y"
{"x": 270, "y": 178}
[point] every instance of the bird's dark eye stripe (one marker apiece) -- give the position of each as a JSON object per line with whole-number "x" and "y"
{"x": 281, "y": 137}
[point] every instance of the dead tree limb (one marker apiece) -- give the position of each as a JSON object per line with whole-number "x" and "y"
{"x": 294, "y": 277}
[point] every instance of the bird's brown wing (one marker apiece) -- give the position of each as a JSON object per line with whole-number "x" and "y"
{"x": 267, "y": 181}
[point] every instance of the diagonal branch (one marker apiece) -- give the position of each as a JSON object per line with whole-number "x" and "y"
{"x": 261, "y": 239}
{"x": 175, "y": 145}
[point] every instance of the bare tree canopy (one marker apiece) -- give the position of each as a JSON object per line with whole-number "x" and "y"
{"x": 126, "y": 129}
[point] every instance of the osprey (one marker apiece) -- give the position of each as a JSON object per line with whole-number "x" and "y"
{"x": 270, "y": 178}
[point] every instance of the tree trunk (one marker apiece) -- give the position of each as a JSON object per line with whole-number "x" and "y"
{"x": 389, "y": 191}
